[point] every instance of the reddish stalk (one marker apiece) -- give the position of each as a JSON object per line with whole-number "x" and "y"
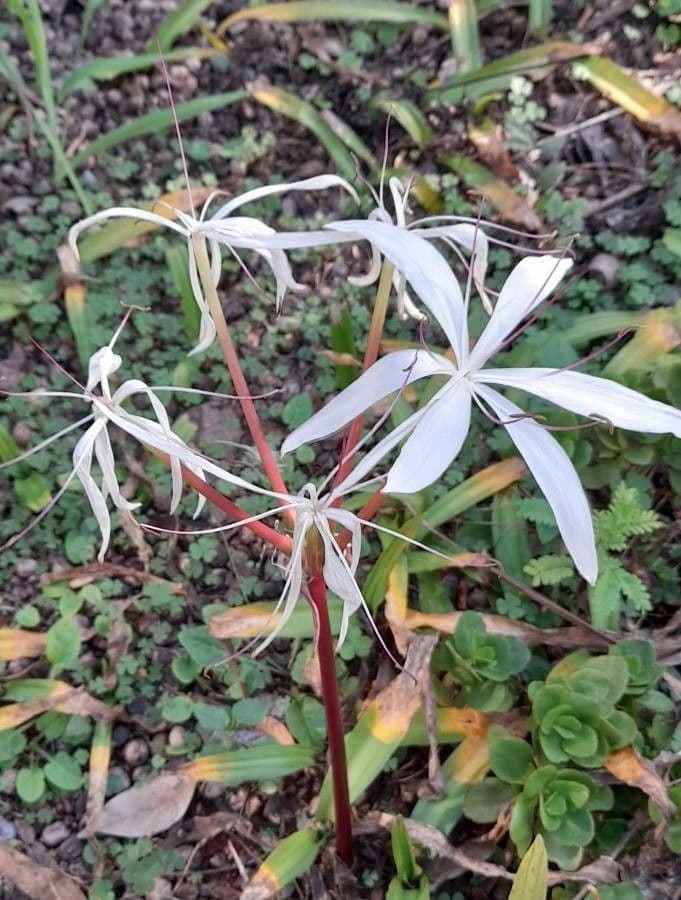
{"x": 370, "y": 357}
{"x": 280, "y": 541}
{"x": 334, "y": 720}
{"x": 231, "y": 357}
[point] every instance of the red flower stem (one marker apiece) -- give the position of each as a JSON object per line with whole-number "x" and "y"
{"x": 334, "y": 720}
{"x": 281, "y": 541}
{"x": 370, "y": 357}
{"x": 269, "y": 463}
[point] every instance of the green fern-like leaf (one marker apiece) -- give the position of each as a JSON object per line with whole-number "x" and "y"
{"x": 537, "y": 510}
{"x": 550, "y": 569}
{"x": 614, "y": 586}
{"x": 625, "y": 518}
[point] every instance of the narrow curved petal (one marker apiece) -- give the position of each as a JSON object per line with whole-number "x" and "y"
{"x": 224, "y": 232}
{"x": 530, "y": 282}
{"x": 376, "y": 454}
{"x": 339, "y": 576}
{"x": 588, "y": 395}
{"x": 82, "y": 466}
{"x": 316, "y": 183}
{"x": 207, "y": 330}
{"x": 434, "y": 442}
{"x": 391, "y": 373}
{"x": 557, "y": 480}
{"x": 120, "y": 212}
{"x": 105, "y": 458}
{"x": 469, "y": 236}
{"x": 427, "y": 272}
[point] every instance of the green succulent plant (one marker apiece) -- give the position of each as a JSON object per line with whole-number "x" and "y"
{"x": 558, "y": 804}
{"x": 482, "y": 663}
{"x": 574, "y": 716}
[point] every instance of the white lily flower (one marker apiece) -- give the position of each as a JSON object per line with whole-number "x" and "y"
{"x": 95, "y": 444}
{"x": 436, "y": 432}
{"x": 222, "y": 228}
{"x": 319, "y": 510}
{"x": 462, "y": 231}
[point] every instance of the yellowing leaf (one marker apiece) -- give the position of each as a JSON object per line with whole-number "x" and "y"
{"x": 100, "y": 757}
{"x": 288, "y": 861}
{"x": 470, "y": 761}
{"x": 613, "y": 82}
{"x": 627, "y": 766}
{"x": 531, "y": 880}
{"x": 383, "y": 725}
{"x": 330, "y": 10}
{"x": 15, "y": 643}
{"x": 451, "y": 724}
{"x": 254, "y": 764}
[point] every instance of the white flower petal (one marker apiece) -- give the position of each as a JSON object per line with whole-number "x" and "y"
{"x": 530, "y": 282}
{"x": 207, "y": 329}
{"x": 469, "y": 236}
{"x": 120, "y": 212}
{"x": 434, "y": 442}
{"x": 557, "y": 480}
{"x": 376, "y": 454}
{"x": 317, "y": 183}
{"x": 105, "y": 458}
{"x": 339, "y": 578}
{"x": 82, "y": 465}
{"x": 427, "y": 272}
{"x": 588, "y": 395}
{"x": 391, "y": 373}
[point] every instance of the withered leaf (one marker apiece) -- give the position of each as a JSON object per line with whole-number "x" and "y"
{"x": 147, "y": 809}
{"x": 36, "y": 881}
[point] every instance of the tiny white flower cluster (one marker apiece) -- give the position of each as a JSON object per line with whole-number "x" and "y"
{"x": 433, "y": 435}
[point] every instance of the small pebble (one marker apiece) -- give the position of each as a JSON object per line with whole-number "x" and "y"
{"x": 8, "y": 780}
{"x": 26, "y": 567}
{"x": 176, "y": 736}
{"x": 54, "y": 834}
{"x": 7, "y": 830}
{"x": 136, "y": 752}
{"x": 211, "y": 790}
{"x": 71, "y": 849}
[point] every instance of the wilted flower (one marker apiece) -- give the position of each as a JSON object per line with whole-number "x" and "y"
{"x": 221, "y": 229}
{"x": 95, "y": 444}
{"x": 436, "y": 432}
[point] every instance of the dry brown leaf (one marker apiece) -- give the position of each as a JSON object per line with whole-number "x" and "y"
{"x": 15, "y": 643}
{"x": 276, "y": 730}
{"x": 36, "y": 881}
{"x": 627, "y": 766}
{"x": 147, "y": 809}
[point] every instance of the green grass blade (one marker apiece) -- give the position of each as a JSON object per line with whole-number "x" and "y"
{"x": 176, "y": 259}
{"x": 408, "y": 115}
{"x": 180, "y": 20}
{"x": 534, "y": 62}
{"x": 474, "y": 490}
{"x": 303, "y": 112}
{"x": 107, "y": 68}
{"x": 64, "y": 164}
{"x": 540, "y": 18}
{"x": 349, "y": 137}
{"x": 158, "y": 120}
{"x": 334, "y": 10}
{"x": 28, "y": 12}
{"x": 91, "y": 8}
{"x": 463, "y": 24}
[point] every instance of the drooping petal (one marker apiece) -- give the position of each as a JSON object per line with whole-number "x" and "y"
{"x": 105, "y": 458}
{"x": 294, "y": 580}
{"x": 207, "y": 329}
{"x": 316, "y": 183}
{"x": 588, "y": 395}
{"x": 530, "y": 282}
{"x": 434, "y": 443}
{"x": 427, "y": 272}
{"x": 120, "y": 212}
{"x": 469, "y": 236}
{"x": 82, "y": 466}
{"x": 144, "y": 431}
{"x": 391, "y": 373}
{"x": 556, "y": 477}
{"x": 339, "y": 577}
{"x": 102, "y": 363}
